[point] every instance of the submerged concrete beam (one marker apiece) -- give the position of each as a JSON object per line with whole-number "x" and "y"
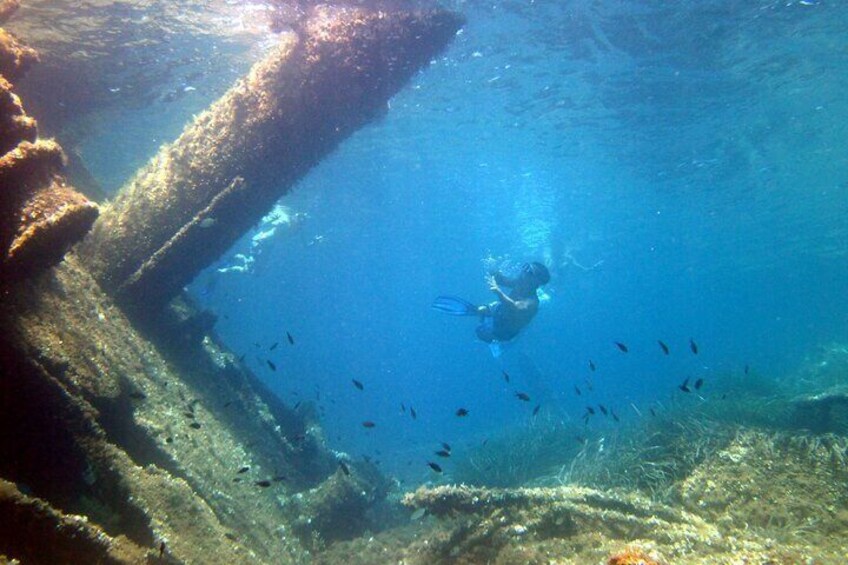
{"x": 202, "y": 192}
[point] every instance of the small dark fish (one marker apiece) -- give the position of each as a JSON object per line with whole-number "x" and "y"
{"x": 189, "y": 415}
{"x": 446, "y": 446}
{"x": 685, "y": 386}
{"x": 577, "y": 390}
{"x": 698, "y": 384}
{"x": 135, "y": 395}
{"x": 243, "y": 470}
{"x": 402, "y": 407}
{"x": 161, "y": 550}
{"x": 614, "y": 415}
{"x": 237, "y": 480}
{"x": 653, "y": 412}
{"x": 228, "y": 403}
{"x": 279, "y": 478}
{"x": 506, "y": 376}
{"x": 169, "y": 439}
{"x": 435, "y": 467}
{"x": 271, "y": 365}
{"x": 536, "y": 409}
{"x": 290, "y": 338}
{"x": 443, "y": 453}
{"x": 581, "y": 440}
{"x": 747, "y": 368}
{"x": 591, "y": 365}
{"x": 693, "y": 346}
{"x": 663, "y": 346}
{"x": 241, "y": 357}
{"x": 263, "y": 483}
{"x": 343, "y": 466}
{"x": 358, "y": 384}
{"x": 274, "y": 346}
{"x": 522, "y": 396}
{"x": 194, "y": 425}
{"x": 462, "y": 412}
{"x": 621, "y": 347}
{"x": 603, "y": 409}
{"x": 296, "y": 405}
{"x": 413, "y": 413}
{"x": 368, "y": 424}
{"x": 590, "y": 410}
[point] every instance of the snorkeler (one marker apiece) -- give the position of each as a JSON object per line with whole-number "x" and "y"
{"x": 503, "y": 319}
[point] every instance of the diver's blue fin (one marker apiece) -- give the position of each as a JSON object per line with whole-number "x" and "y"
{"x": 454, "y": 306}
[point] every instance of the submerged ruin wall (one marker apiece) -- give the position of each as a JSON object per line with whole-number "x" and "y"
{"x": 126, "y": 447}
{"x": 41, "y": 216}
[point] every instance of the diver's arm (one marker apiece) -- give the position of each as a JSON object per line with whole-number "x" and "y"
{"x": 502, "y": 279}
{"x": 502, "y": 296}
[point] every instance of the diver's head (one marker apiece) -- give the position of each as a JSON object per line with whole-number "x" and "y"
{"x": 535, "y": 274}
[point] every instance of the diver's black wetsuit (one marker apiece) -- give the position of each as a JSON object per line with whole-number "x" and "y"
{"x": 506, "y": 317}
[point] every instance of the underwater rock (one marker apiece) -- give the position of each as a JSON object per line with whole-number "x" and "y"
{"x": 825, "y": 412}
{"x": 313, "y": 90}
{"x": 338, "y": 508}
{"x": 508, "y": 525}
{"x": 99, "y": 422}
{"x": 15, "y": 125}
{"x": 41, "y": 215}
{"x": 33, "y": 531}
{"x": 7, "y": 8}
{"x": 790, "y": 487}
{"x": 15, "y": 58}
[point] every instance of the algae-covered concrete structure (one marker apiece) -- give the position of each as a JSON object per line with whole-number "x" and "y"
{"x": 202, "y": 192}
{"x": 41, "y": 216}
{"x": 123, "y": 446}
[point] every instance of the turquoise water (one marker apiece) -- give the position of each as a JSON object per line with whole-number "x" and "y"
{"x": 680, "y": 167}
